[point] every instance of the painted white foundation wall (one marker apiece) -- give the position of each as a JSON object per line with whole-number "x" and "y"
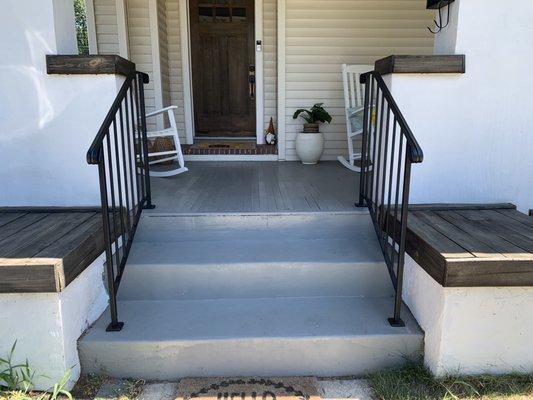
{"x": 47, "y": 326}
{"x": 476, "y": 129}
{"x": 471, "y": 330}
{"x": 47, "y": 122}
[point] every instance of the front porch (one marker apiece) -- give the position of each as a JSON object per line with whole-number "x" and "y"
{"x": 257, "y": 187}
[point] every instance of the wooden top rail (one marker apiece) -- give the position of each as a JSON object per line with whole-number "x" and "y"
{"x": 45, "y": 249}
{"x": 421, "y": 64}
{"x": 469, "y": 246}
{"x": 89, "y": 65}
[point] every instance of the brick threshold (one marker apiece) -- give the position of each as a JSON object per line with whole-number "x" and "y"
{"x": 261, "y": 149}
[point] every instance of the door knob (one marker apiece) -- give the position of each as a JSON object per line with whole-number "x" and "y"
{"x": 251, "y": 82}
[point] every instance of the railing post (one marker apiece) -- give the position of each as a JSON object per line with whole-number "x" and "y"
{"x": 115, "y": 325}
{"x": 144, "y": 144}
{"x": 397, "y": 321}
{"x": 366, "y": 118}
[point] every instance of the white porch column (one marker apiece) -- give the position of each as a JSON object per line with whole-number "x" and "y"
{"x": 475, "y": 128}
{"x": 46, "y": 122}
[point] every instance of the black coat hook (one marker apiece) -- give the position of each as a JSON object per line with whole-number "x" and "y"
{"x": 440, "y": 26}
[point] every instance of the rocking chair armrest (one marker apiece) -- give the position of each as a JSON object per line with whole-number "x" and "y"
{"x": 163, "y": 110}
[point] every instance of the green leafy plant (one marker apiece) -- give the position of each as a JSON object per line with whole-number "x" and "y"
{"x": 16, "y": 381}
{"x": 81, "y": 26}
{"x": 316, "y": 114}
{"x": 15, "y": 376}
{"x": 58, "y": 389}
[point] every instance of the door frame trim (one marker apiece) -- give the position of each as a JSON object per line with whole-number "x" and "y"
{"x": 188, "y": 106}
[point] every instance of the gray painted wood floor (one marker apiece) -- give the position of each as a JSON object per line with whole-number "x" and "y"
{"x": 250, "y": 187}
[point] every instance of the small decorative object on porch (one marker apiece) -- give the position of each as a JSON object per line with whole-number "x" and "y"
{"x": 310, "y": 143}
{"x": 270, "y": 133}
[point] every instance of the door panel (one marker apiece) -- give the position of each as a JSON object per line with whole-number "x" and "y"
{"x": 222, "y": 49}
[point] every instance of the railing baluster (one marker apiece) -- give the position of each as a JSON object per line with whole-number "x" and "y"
{"x": 384, "y": 179}
{"x": 146, "y": 164}
{"x": 388, "y": 152}
{"x": 119, "y": 180}
{"x": 121, "y": 158}
{"x": 138, "y": 147}
{"x": 366, "y": 118}
{"x": 391, "y": 172}
{"x": 114, "y": 237}
{"x": 124, "y": 167}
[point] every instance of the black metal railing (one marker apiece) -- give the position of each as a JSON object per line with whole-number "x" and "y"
{"x": 120, "y": 151}
{"x": 388, "y": 150}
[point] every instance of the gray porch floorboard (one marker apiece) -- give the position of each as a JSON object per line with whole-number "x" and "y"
{"x": 256, "y": 187}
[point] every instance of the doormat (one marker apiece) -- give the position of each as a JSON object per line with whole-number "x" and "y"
{"x": 226, "y": 145}
{"x": 248, "y": 389}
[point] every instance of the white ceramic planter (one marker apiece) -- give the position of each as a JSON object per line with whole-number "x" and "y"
{"x": 309, "y": 147}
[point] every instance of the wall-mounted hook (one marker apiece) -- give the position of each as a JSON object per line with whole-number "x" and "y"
{"x": 440, "y": 26}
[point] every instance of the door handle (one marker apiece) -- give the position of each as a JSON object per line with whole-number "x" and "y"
{"x": 251, "y": 82}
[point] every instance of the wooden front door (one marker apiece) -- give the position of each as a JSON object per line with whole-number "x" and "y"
{"x": 223, "y": 58}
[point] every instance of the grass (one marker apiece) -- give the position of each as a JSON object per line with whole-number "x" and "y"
{"x": 88, "y": 385}
{"x": 414, "y": 382}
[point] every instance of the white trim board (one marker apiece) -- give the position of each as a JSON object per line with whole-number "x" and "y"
{"x": 281, "y": 80}
{"x": 91, "y": 27}
{"x": 188, "y": 105}
{"x": 185, "y": 40}
{"x": 259, "y": 74}
{"x": 122, "y": 27}
{"x": 156, "y": 61}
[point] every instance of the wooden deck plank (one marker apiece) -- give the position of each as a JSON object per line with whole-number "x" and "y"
{"x": 455, "y": 234}
{"x": 44, "y": 252}
{"x": 7, "y": 218}
{"x": 427, "y": 246}
{"x": 36, "y": 237}
{"x": 495, "y": 223}
{"x": 518, "y": 216}
{"x": 483, "y": 237}
{"x": 37, "y": 278}
{"x": 85, "y": 242}
{"x": 501, "y": 240}
{"x": 19, "y": 224}
{"x": 521, "y": 232}
{"x": 441, "y": 239}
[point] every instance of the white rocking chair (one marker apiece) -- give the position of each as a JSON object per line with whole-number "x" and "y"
{"x": 354, "y": 102}
{"x": 175, "y": 154}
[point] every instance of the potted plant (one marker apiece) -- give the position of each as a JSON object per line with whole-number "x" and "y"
{"x": 310, "y": 143}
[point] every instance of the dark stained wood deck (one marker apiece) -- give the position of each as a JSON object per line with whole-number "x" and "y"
{"x": 44, "y": 249}
{"x": 468, "y": 246}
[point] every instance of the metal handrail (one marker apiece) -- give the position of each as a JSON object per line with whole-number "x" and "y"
{"x": 120, "y": 150}
{"x": 389, "y": 148}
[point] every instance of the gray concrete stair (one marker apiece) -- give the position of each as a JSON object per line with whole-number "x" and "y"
{"x": 183, "y": 258}
{"x": 262, "y": 295}
{"x": 328, "y": 336}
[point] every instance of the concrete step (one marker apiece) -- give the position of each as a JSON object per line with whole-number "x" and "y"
{"x": 333, "y": 336}
{"x": 175, "y": 228}
{"x": 255, "y": 268}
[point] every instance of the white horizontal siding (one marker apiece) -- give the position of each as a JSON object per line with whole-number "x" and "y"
{"x": 163, "y": 51}
{"x": 105, "y": 20}
{"x": 174, "y": 64}
{"x": 322, "y": 35}
{"x": 141, "y": 48}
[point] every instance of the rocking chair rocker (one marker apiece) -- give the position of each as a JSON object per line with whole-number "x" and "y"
{"x": 175, "y": 154}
